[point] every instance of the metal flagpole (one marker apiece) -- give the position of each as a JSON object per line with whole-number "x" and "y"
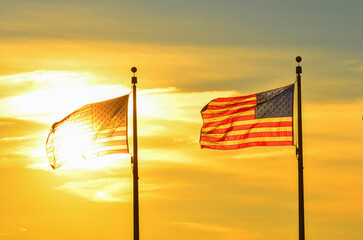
{"x": 300, "y": 154}
{"x": 134, "y": 159}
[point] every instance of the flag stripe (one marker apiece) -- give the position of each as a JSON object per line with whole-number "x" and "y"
{"x": 228, "y": 121}
{"x": 231, "y": 114}
{"x": 113, "y": 138}
{"x": 220, "y": 109}
{"x": 57, "y": 143}
{"x": 244, "y": 145}
{"x": 231, "y": 100}
{"x": 58, "y": 150}
{"x": 88, "y": 152}
{"x": 111, "y": 134}
{"x": 109, "y": 143}
{"x": 107, "y": 148}
{"x": 247, "y": 140}
{"x": 60, "y": 153}
{"x": 211, "y": 117}
{"x": 247, "y": 124}
{"x": 107, "y": 152}
{"x": 108, "y": 130}
{"x": 247, "y": 135}
{"x": 245, "y": 131}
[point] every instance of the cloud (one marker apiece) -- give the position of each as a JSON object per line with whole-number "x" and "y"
{"x": 204, "y": 227}
{"x": 239, "y": 70}
{"x": 16, "y": 85}
{"x": 19, "y": 230}
{"x": 101, "y": 190}
{"x": 178, "y": 105}
{"x": 18, "y": 139}
{"x": 109, "y": 189}
{"x": 53, "y": 94}
{"x": 19, "y": 129}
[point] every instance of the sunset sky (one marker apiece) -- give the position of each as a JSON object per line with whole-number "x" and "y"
{"x": 56, "y": 56}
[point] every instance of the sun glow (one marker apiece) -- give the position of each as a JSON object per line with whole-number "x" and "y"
{"x": 109, "y": 161}
{"x": 74, "y": 144}
{"x": 101, "y": 190}
{"x": 56, "y": 94}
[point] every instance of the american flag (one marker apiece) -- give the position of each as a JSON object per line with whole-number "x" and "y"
{"x": 262, "y": 119}
{"x": 92, "y": 131}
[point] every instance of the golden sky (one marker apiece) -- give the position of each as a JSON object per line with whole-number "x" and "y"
{"x": 56, "y": 56}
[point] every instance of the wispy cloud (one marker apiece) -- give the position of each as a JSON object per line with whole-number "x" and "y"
{"x": 108, "y": 189}
{"x": 101, "y": 190}
{"x": 52, "y": 94}
{"x": 204, "y": 227}
{"x": 19, "y": 230}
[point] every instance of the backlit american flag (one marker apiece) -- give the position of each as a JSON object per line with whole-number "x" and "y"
{"x": 262, "y": 119}
{"x": 92, "y": 131}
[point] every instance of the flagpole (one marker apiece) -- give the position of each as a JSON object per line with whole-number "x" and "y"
{"x": 134, "y": 159}
{"x": 300, "y": 153}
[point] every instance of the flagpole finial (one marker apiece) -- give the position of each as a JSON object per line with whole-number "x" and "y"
{"x": 298, "y": 68}
{"x": 134, "y": 79}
